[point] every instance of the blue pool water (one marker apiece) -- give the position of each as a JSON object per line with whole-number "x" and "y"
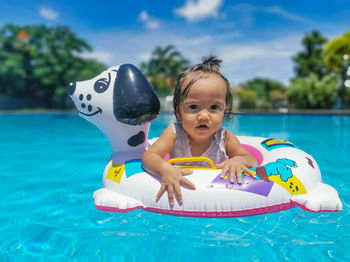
{"x": 50, "y": 165}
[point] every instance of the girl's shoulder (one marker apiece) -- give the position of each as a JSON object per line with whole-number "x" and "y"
{"x": 176, "y": 128}
{"x": 168, "y": 133}
{"x": 172, "y": 131}
{"x": 229, "y": 137}
{"x": 170, "y": 128}
{"x": 227, "y": 134}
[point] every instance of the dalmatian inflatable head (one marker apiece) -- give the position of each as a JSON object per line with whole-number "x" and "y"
{"x": 121, "y": 103}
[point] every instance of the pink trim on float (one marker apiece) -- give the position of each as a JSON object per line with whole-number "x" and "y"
{"x": 242, "y": 213}
{"x": 115, "y": 209}
{"x": 167, "y": 157}
{"x": 255, "y": 153}
{"x": 295, "y": 204}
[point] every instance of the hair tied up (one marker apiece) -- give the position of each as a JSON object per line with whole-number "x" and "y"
{"x": 211, "y": 63}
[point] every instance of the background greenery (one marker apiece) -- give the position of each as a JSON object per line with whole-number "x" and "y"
{"x": 37, "y": 62}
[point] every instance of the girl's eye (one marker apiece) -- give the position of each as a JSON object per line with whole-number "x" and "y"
{"x": 193, "y": 107}
{"x": 214, "y": 107}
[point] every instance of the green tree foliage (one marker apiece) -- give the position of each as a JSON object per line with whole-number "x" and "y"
{"x": 262, "y": 93}
{"x": 337, "y": 59}
{"x": 163, "y": 67}
{"x": 39, "y": 61}
{"x": 335, "y": 51}
{"x": 165, "y": 61}
{"x": 347, "y": 97}
{"x": 313, "y": 93}
{"x": 310, "y": 60}
{"x": 248, "y": 99}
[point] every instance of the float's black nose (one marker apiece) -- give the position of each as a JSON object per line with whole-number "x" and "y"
{"x": 135, "y": 100}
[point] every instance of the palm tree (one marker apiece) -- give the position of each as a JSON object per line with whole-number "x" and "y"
{"x": 336, "y": 53}
{"x": 163, "y": 67}
{"x": 165, "y": 61}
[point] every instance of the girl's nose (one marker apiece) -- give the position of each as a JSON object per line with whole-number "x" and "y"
{"x": 203, "y": 115}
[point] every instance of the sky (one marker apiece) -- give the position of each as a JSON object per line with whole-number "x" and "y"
{"x": 253, "y": 38}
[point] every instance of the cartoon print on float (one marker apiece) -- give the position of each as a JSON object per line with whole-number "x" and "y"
{"x": 278, "y": 172}
{"x": 309, "y": 161}
{"x": 271, "y": 144}
{"x": 130, "y": 168}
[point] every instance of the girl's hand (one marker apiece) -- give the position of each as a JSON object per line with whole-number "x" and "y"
{"x": 235, "y": 168}
{"x": 171, "y": 179}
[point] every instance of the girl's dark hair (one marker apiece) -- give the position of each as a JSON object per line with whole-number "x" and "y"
{"x": 209, "y": 64}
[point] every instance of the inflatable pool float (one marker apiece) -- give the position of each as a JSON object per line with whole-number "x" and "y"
{"x": 121, "y": 102}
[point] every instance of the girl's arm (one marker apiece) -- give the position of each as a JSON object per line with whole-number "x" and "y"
{"x": 240, "y": 160}
{"x": 171, "y": 176}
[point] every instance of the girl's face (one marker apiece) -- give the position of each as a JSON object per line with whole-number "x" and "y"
{"x": 202, "y": 111}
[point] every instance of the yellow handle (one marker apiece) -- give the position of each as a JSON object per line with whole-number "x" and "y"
{"x": 193, "y": 159}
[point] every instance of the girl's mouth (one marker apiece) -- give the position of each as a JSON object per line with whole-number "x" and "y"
{"x": 202, "y": 127}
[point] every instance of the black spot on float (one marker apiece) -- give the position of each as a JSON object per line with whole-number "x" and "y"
{"x": 137, "y": 139}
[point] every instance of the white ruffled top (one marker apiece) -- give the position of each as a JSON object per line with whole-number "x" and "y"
{"x": 216, "y": 151}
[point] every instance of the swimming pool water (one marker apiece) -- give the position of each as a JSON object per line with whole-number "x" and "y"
{"x": 50, "y": 165}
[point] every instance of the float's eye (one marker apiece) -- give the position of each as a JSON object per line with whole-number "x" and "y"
{"x": 102, "y": 84}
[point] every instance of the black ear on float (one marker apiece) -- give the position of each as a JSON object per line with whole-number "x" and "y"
{"x": 134, "y": 99}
